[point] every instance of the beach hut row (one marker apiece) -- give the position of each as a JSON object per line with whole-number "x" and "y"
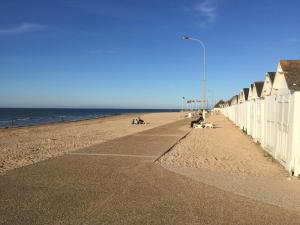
{"x": 269, "y": 112}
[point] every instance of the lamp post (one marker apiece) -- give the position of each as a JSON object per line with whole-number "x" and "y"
{"x": 204, "y": 70}
{"x": 182, "y": 103}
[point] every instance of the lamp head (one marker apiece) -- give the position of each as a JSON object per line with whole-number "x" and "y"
{"x": 185, "y": 37}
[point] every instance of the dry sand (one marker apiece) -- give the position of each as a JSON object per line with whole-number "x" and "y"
{"x": 27, "y": 145}
{"x": 227, "y": 158}
{"x": 224, "y": 148}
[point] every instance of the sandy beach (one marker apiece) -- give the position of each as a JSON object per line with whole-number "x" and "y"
{"x": 28, "y": 145}
{"x": 227, "y": 158}
{"x": 224, "y": 148}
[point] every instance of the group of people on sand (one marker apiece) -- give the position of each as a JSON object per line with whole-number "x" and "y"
{"x": 200, "y": 122}
{"x": 138, "y": 120}
{"x": 197, "y": 121}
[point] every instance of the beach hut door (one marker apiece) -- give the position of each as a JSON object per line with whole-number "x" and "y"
{"x": 270, "y": 128}
{"x": 282, "y": 127}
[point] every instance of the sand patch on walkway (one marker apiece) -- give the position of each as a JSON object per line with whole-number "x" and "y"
{"x": 227, "y": 158}
{"x": 225, "y": 148}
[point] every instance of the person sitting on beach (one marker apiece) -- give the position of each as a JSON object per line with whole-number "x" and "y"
{"x": 135, "y": 121}
{"x": 140, "y": 121}
{"x": 198, "y": 121}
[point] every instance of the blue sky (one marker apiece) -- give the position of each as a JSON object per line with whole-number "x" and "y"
{"x": 129, "y": 54}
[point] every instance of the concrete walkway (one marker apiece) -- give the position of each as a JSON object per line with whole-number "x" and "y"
{"x": 118, "y": 182}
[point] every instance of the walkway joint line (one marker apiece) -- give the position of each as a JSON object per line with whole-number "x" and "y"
{"x": 183, "y": 137}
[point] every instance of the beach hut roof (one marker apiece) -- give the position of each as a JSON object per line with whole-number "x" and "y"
{"x": 227, "y": 102}
{"x": 219, "y": 103}
{"x": 246, "y": 93}
{"x": 272, "y": 76}
{"x": 259, "y": 86}
{"x": 291, "y": 71}
{"x": 234, "y": 99}
{"x": 268, "y": 84}
{"x": 251, "y": 89}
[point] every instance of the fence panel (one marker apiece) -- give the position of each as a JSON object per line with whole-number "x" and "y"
{"x": 252, "y": 118}
{"x": 270, "y": 125}
{"x": 282, "y": 123}
{"x": 243, "y": 118}
{"x": 258, "y": 126}
{"x": 262, "y": 112}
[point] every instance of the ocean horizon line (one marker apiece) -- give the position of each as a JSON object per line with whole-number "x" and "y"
{"x": 19, "y": 117}
{"x": 129, "y": 108}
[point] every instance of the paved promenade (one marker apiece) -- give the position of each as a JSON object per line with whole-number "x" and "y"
{"x": 119, "y": 182}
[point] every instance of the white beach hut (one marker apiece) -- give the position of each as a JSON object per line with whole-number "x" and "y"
{"x": 243, "y": 104}
{"x": 257, "y": 110}
{"x": 218, "y": 106}
{"x": 225, "y": 108}
{"x": 233, "y": 109}
{"x": 250, "y": 111}
{"x": 269, "y": 117}
{"x": 286, "y": 88}
{"x": 273, "y": 113}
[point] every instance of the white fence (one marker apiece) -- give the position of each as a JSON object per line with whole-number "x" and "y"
{"x": 274, "y": 122}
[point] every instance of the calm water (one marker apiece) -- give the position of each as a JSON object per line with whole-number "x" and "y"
{"x": 26, "y": 116}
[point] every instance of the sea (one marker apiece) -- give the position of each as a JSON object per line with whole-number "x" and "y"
{"x": 17, "y": 117}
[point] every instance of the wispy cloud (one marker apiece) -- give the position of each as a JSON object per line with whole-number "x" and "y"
{"x": 207, "y": 10}
{"x": 23, "y": 28}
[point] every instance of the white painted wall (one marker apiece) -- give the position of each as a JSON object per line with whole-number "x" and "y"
{"x": 269, "y": 142}
{"x": 295, "y": 130}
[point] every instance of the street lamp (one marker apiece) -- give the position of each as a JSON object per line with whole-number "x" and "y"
{"x": 182, "y": 103}
{"x": 204, "y": 70}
